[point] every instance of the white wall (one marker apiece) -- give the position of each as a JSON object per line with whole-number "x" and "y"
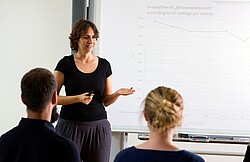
{"x": 33, "y": 33}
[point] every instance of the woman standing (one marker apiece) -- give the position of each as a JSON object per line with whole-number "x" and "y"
{"x": 88, "y": 86}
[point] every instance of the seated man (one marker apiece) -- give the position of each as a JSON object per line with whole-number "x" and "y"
{"x": 34, "y": 139}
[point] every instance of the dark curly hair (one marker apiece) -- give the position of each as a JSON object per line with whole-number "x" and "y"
{"x": 81, "y": 27}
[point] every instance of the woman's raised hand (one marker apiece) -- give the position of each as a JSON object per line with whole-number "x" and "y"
{"x": 125, "y": 91}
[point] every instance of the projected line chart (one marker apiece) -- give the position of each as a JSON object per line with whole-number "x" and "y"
{"x": 206, "y": 60}
{"x": 203, "y": 31}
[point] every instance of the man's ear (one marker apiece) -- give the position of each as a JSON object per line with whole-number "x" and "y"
{"x": 23, "y": 100}
{"x": 54, "y": 98}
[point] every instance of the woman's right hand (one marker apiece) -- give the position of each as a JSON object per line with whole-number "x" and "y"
{"x": 85, "y": 98}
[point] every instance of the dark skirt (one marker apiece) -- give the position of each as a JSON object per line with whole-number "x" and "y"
{"x": 93, "y": 139}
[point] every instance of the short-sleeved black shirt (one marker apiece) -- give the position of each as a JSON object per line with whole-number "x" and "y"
{"x": 36, "y": 141}
{"x": 76, "y": 82}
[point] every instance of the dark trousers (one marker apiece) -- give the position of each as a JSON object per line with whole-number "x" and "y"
{"x": 93, "y": 139}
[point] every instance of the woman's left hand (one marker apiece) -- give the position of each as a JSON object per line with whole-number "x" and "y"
{"x": 125, "y": 91}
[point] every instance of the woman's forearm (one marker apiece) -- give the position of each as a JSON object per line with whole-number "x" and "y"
{"x": 110, "y": 99}
{"x": 66, "y": 100}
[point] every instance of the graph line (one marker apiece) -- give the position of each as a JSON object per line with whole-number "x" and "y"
{"x": 204, "y": 31}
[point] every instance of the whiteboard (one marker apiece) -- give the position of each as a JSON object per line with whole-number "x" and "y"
{"x": 199, "y": 48}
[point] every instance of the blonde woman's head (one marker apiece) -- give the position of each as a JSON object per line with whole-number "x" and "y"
{"x": 163, "y": 108}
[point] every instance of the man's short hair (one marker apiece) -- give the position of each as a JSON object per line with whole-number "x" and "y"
{"x": 37, "y": 88}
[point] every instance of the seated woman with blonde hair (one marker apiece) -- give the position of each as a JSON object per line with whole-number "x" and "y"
{"x": 163, "y": 108}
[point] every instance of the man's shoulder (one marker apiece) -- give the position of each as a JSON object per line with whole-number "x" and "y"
{"x": 62, "y": 140}
{"x": 67, "y": 148}
{"x": 9, "y": 133}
